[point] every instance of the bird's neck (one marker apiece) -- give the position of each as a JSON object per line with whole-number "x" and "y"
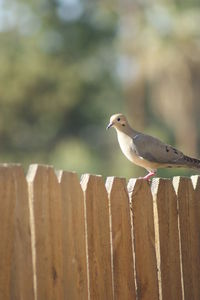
{"x": 128, "y": 131}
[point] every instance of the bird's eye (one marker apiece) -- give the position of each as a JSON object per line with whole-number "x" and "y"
{"x": 118, "y": 119}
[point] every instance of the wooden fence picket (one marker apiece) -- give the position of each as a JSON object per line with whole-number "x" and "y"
{"x": 7, "y": 230}
{"x": 74, "y": 239}
{"x": 144, "y": 240}
{"x": 166, "y": 203}
{"x": 195, "y": 236}
{"x": 189, "y": 216}
{"x": 122, "y": 252}
{"x": 46, "y": 228}
{"x": 22, "y": 267}
{"x": 98, "y": 237}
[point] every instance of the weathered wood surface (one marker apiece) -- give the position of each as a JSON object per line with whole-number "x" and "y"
{"x": 74, "y": 238}
{"x": 98, "y": 237}
{"x": 188, "y": 194}
{"x": 144, "y": 240}
{"x": 122, "y": 251}
{"x": 62, "y": 239}
{"x": 46, "y": 230}
{"x": 22, "y": 265}
{"x": 7, "y": 228}
{"x": 167, "y": 214}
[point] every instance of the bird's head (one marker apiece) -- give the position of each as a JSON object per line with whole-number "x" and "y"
{"x": 118, "y": 121}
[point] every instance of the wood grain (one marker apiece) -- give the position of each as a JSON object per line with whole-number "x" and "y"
{"x": 98, "y": 237}
{"x": 122, "y": 252}
{"x": 22, "y": 267}
{"x": 189, "y": 216}
{"x": 166, "y": 201}
{"x": 74, "y": 237}
{"x": 46, "y": 228}
{"x": 144, "y": 240}
{"x": 7, "y": 223}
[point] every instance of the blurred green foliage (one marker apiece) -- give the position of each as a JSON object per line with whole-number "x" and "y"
{"x": 67, "y": 65}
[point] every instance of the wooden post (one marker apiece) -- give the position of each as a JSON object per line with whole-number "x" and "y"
{"x": 98, "y": 237}
{"x": 166, "y": 206}
{"x": 144, "y": 240}
{"x": 7, "y": 229}
{"x": 188, "y": 193}
{"x": 122, "y": 252}
{"x": 74, "y": 237}
{"x": 46, "y": 216}
{"x": 22, "y": 267}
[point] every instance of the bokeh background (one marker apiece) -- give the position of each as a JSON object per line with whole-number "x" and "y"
{"x": 67, "y": 65}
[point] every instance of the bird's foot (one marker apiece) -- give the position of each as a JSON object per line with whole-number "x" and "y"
{"x": 146, "y": 179}
{"x": 149, "y": 175}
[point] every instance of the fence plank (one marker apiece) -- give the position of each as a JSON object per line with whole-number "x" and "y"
{"x": 189, "y": 216}
{"x": 74, "y": 240}
{"x": 7, "y": 223}
{"x": 144, "y": 240}
{"x": 122, "y": 252}
{"x": 166, "y": 202}
{"x": 57, "y": 239}
{"x": 98, "y": 237}
{"x": 45, "y": 207}
{"x": 22, "y": 269}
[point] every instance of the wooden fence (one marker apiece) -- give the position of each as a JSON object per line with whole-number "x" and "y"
{"x": 60, "y": 239}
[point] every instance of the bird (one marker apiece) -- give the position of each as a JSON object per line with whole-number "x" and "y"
{"x": 147, "y": 151}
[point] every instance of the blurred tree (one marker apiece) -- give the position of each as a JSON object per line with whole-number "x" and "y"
{"x": 58, "y": 86}
{"x": 160, "y": 46}
{"x": 67, "y": 65}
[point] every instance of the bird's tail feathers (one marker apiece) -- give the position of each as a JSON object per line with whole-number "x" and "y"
{"x": 191, "y": 162}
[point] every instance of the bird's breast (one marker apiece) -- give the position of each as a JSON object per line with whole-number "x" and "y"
{"x": 128, "y": 149}
{"x": 126, "y": 145}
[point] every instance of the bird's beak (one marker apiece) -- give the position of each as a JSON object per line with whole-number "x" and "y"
{"x": 109, "y": 125}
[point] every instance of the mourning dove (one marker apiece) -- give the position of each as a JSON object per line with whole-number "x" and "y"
{"x": 147, "y": 151}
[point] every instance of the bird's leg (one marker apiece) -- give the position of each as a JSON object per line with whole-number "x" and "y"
{"x": 149, "y": 175}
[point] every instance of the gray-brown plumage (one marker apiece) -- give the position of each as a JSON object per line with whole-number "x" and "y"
{"x": 147, "y": 151}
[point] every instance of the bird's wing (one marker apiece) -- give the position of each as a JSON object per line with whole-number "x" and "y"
{"x": 154, "y": 150}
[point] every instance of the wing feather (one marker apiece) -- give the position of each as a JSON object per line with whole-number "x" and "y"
{"x": 153, "y": 150}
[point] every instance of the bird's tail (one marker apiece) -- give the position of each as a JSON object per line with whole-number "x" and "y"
{"x": 191, "y": 162}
